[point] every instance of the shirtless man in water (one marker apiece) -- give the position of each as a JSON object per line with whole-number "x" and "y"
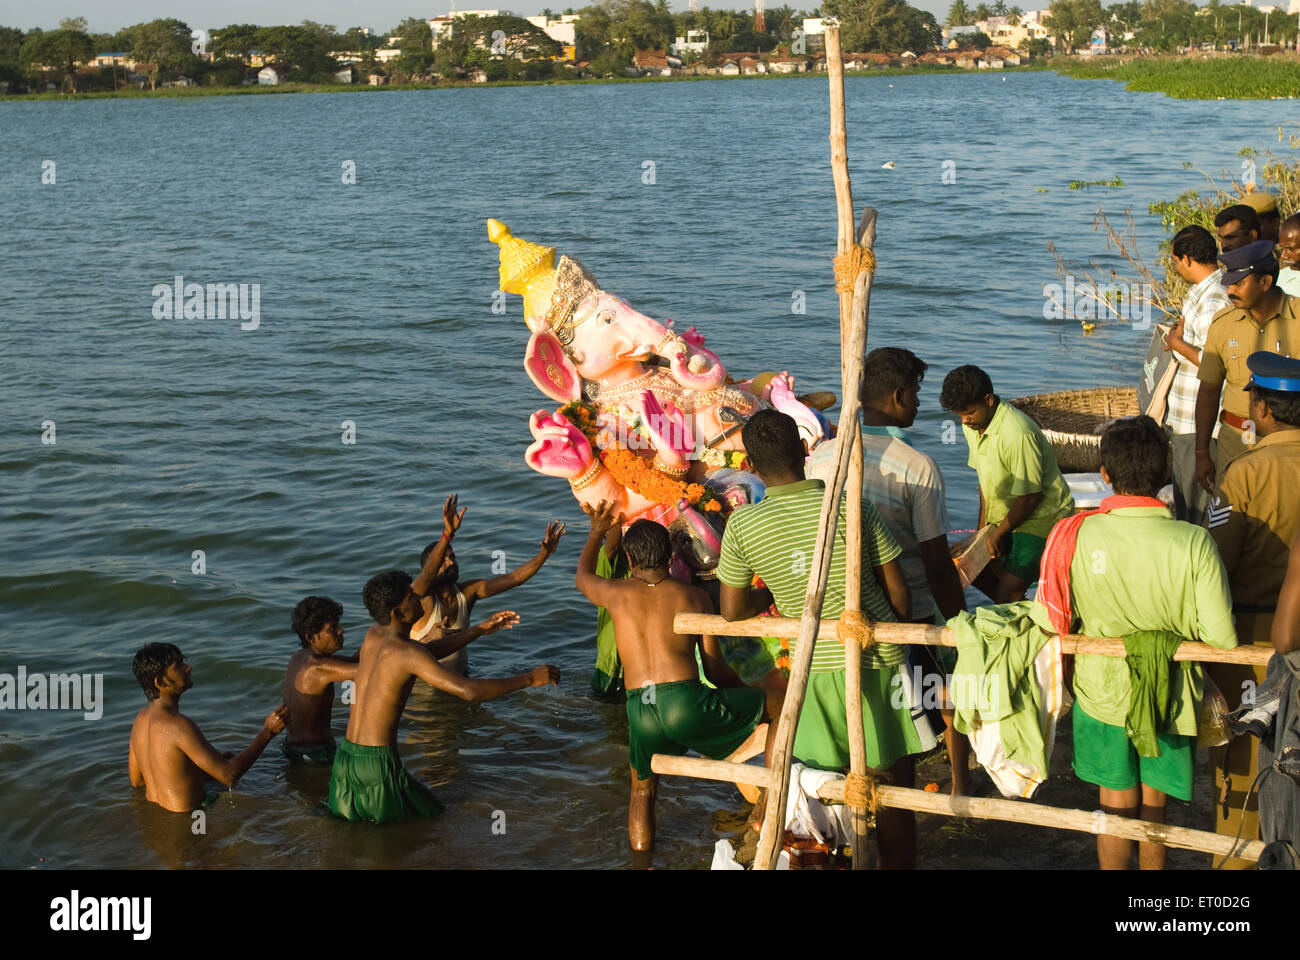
{"x": 310, "y": 677}
{"x": 312, "y": 672}
{"x": 668, "y": 709}
{"x": 447, "y": 602}
{"x": 368, "y": 781}
{"x": 169, "y": 754}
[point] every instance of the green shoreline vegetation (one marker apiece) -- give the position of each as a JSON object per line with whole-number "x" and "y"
{"x": 1238, "y": 77}
{"x": 1162, "y": 47}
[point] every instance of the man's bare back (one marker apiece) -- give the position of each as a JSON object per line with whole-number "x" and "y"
{"x": 169, "y": 777}
{"x": 651, "y": 650}
{"x": 168, "y": 754}
{"x": 309, "y": 693}
{"x": 389, "y": 663}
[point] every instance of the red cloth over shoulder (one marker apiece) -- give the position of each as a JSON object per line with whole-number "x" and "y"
{"x": 1058, "y": 554}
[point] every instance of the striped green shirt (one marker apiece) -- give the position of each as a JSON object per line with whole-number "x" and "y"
{"x": 775, "y": 539}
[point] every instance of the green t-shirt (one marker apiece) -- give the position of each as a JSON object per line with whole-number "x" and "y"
{"x": 1013, "y": 458}
{"x": 1140, "y": 569}
{"x": 775, "y": 539}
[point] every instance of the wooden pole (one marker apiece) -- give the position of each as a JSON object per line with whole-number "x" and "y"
{"x": 988, "y": 808}
{"x": 1061, "y": 818}
{"x": 671, "y": 766}
{"x": 850, "y": 319}
{"x": 809, "y": 623}
{"x": 935, "y": 636}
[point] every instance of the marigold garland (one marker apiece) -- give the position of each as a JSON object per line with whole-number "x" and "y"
{"x": 632, "y": 471}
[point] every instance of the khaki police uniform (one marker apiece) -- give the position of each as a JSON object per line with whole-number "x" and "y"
{"x": 1235, "y": 335}
{"x": 1253, "y": 521}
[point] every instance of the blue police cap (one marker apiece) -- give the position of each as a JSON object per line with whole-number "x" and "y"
{"x": 1272, "y": 371}
{"x": 1254, "y": 257}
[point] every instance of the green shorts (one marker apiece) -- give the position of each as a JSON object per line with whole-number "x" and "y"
{"x": 822, "y": 738}
{"x": 1104, "y": 755}
{"x": 370, "y": 783}
{"x": 686, "y": 715}
{"x": 322, "y": 752}
{"x": 1024, "y": 556}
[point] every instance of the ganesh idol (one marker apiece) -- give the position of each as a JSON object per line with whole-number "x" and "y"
{"x": 649, "y": 419}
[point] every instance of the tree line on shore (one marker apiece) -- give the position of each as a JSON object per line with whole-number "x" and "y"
{"x": 608, "y": 33}
{"x": 1161, "y": 25}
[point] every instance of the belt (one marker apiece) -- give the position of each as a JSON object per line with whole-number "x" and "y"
{"x": 1253, "y": 608}
{"x": 1236, "y": 422}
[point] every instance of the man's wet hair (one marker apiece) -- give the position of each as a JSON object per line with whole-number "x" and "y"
{"x": 887, "y": 369}
{"x": 424, "y": 554}
{"x": 646, "y": 545}
{"x": 151, "y": 663}
{"x": 383, "y": 592}
{"x": 313, "y": 614}
{"x": 1196, "y": 243}
{"x": 1283, "y": 404}
{"x": 1243, "y": 214}
{"x": 1135, "y": 453}
{"x": 964, "y": 387}
{"x": 772, "y": 443}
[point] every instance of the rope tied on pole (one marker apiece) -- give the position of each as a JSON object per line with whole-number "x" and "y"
{"x": 853, "y": 261}
{"x": 855, "y": 628}
{"x": 860, "y": 792}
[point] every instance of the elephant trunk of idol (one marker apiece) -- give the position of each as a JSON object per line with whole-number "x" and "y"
{"x": 694, "y": 367}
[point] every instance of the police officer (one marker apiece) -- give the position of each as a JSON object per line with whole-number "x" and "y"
{"x": 1253, "y": 521}
{"x": 1262, "y": 317}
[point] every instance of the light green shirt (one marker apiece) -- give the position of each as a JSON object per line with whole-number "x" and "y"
{"x": 775, "y": 539}
{"x": 1012, "y": 459}
{"x": 1140, "y": 569}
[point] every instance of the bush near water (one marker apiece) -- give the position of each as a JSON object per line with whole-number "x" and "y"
{"x": 1234, "y": 77}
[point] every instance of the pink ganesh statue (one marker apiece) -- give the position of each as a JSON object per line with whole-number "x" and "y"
{"x": 649, "y": 419}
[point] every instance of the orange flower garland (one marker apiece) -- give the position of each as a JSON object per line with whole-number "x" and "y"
{"x": 633, "y": 472}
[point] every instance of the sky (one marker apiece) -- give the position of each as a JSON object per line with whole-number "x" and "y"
{"x": 109, "y": 16}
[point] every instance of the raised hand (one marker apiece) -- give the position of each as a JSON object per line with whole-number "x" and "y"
{"x": 603, "y": 516}
{"x": 554, "y": 530}
{"x": 451, "y": 520}
{"x": 501, "y": 620}
{"x": 560, "y": 449}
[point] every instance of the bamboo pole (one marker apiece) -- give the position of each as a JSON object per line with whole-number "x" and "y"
{"x": 1061, "y": 818}
{"x": 988, "y": 808}
{"x": 808, "y": 624}
{"x": 935, "y": 636}
{"x": 850, "y": 318}
{"x": 671, "y": 766}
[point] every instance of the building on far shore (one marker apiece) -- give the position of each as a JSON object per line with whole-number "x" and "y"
{"x": 114, "y": 60}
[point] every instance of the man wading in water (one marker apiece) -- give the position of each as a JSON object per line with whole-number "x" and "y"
{"x": 668, "y": 709}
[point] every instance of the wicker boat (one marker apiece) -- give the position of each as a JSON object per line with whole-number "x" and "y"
{"x": 1072, "y": 421}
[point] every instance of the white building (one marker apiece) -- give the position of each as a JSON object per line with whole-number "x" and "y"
{"x": 695, "y": 41}
{"x": 267, "y": 77}
{"x": 441, "y": 27}
{"x": 561, "y": 30}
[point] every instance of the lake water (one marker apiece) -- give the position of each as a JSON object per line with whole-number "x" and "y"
{"x": 376, "y": 306}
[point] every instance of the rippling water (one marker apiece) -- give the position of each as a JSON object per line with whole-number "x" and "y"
{"x": 181, "y": 435}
